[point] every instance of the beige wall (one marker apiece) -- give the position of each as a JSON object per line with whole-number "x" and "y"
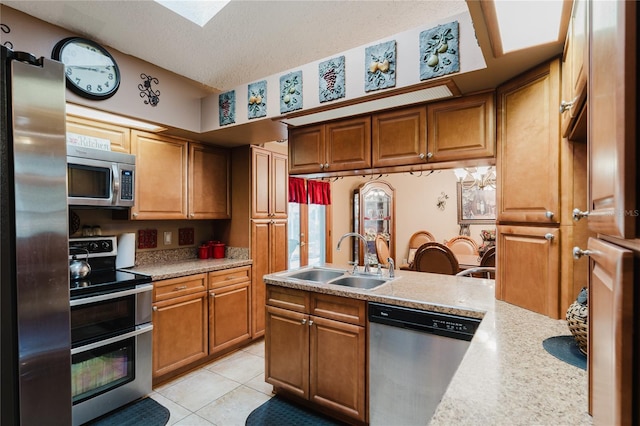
{"x": 416, "y": 209}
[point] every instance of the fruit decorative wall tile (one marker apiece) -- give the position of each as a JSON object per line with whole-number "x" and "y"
{"x": 227, "y": 107}
{"x": 380, "y": 63}
{"x": 257, "y": 98}
{"x": 439, "y": 54}
{"x": 331, "y": 79}
{"x": 291, "y": 92}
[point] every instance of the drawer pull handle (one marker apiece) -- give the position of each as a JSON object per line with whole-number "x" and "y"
{"x": 182, "y": 287}
{"x": 577, "y": 214}
{"x": 578, "y": 253}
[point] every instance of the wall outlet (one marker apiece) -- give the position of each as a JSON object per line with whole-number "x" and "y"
{"x": 167, "y": 238}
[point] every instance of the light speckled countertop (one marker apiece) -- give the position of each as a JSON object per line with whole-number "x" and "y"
{"x": 506, "y": 377}
{"x": 163, "y": 271}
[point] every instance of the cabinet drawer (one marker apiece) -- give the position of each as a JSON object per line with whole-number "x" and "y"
{"x": 229, "y": 276}
{"x": 338, "y": 308}
{"x": 287, "y": 298}
{"x": 168, "y": 289}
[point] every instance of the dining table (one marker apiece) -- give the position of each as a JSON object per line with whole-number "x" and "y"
{"x": 466, "y": 261}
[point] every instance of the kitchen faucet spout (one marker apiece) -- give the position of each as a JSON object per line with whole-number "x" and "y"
{"x": 364, "y": 240}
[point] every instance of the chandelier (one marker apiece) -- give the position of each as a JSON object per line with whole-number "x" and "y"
{"x": 482, "y": 177}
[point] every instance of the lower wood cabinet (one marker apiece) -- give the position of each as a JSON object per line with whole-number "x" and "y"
{"x": 197, "y": 317}
{"x": 180, "y": 322}
{"x": 528, "y": 272}
{"x": 316, "y": 349}
{"x": 229, "y": 308}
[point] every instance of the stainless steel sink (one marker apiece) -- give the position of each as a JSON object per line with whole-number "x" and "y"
{"x": 359, "y": 281}
{"x": 316, "y": 274}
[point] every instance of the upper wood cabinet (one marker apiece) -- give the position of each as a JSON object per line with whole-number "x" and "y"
{"x": 119, "y": 137}
{"x": 335, "y": 146}
{"x": 178, "y": 179}
{"x": 399, "y": 137}
{"x": 574, "y": 70}
{"x": 462, "y": 128}
{"x": 209, "y": 175}
{"x": 161, "y": 177}
{"x": 529, "y": 143}
{"x": 269, "y": 184}
{"x": 612, "y": 103}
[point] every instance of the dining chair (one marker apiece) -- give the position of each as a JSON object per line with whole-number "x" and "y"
{"x": 436, "y": 258}
{"x": 416, "y": 240}
{"x": 489, "y": 259}
{"x": 382, "y": 250}
{"x": 462, "y": 244}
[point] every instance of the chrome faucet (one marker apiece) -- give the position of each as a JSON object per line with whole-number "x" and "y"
{"x": 392, "y": 267}
{"x": 366, "y": 248}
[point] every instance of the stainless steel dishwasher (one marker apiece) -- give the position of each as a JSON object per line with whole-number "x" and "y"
{"x": 413, "y": 355}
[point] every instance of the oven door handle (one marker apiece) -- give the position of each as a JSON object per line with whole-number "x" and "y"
{"x": 140, "y": 329}
{"x": 115, "y": 295}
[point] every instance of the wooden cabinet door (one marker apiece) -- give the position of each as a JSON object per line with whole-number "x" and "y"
{"x": 260, "y": 254}
{"x": 229, "y": 316}
{"x": 528, "y": 268}
{"x": 287, "y": 351}
{"x": 462, "y": 128}
{"x": 306, "y": 149}
{"x": 179, "y": 332}
{"x": 528, "y": 139}
{"x": 611, "y": 334}
{"x": 613, "y": 160}
{"x": 278, "y": 246}
{"x": 119, "y": 137}
{"x": 348, "y": 144}
{"x": 209, "y": 175}
{"x": 161, "y": 181}
{"x": 261, "y": 183}
{"x": 337, "y": 366}
{"x": 279, "y": 191}
{"x": 574, "y": 68}
{"x": 400, "y": 137}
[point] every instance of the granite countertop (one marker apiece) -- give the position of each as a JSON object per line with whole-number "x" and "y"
{"x": 506, "y": 376}
{"x": 166, "y": 270}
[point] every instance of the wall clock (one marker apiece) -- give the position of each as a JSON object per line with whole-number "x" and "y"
{"x": 91, "y": 71}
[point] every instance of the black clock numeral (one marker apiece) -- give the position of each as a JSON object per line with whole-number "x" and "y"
{"x": 89, "y": 88}
{"x": 68, "y": 71}
{"x": 106, "y": 84}
{"x": 78, "y": 81}
{"x": 99, "y": 89}
{"x": 110, "y": 76}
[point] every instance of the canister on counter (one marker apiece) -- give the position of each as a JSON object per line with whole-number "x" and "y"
{"x": 203, "y": 251}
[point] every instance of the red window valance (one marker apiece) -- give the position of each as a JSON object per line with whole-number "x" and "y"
{"x": 297, "y": 191}
{"x": 319, "y": 192}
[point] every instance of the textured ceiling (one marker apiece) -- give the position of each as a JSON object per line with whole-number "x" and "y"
{"x": 247, "y": 40}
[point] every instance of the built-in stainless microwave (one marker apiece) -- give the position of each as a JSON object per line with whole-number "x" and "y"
{"x": 98, "y": 178}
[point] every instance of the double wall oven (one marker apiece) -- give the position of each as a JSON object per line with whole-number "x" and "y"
{"x": 111, "y": 332}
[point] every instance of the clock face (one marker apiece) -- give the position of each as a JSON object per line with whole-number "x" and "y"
{"x": 91, "y": 71}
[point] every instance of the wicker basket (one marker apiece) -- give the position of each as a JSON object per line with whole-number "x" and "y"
{"x": 577, "y": 320}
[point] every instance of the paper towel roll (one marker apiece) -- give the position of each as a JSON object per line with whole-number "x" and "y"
{"x": 126, "y": 256}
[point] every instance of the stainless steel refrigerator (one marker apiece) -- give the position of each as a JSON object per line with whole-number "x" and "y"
{"x": 35, "y": 342}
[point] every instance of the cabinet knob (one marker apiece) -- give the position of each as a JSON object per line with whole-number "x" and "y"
{"x": 310, "y": 323}
{"x": 549, "y": 215}
{"x": 566, "y": 106}
{"x": 212, "y": 294}
{"x": 304, "y": 321}
{"x": 134, "y": 214}
{"x": 191, "y": 215}
{"x": 321, "y": 166}
{"x": 155, "y": 309}
{"x": 549, "y": 236}
{"x": 326, "y": 165}
{"x": 422, "y": 156}
{"x": 578, "y": 253}
{"x": 577, "y": 214}
{"x": 302, "y": 244}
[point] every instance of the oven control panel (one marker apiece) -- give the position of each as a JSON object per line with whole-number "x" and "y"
{"x": 95, "y": 246}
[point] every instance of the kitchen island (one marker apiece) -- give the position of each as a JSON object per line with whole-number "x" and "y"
{"x": 506, "y": 377}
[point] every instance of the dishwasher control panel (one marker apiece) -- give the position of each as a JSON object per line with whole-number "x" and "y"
{"x": 448, "y": 325}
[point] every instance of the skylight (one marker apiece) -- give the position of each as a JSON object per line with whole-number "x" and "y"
{"x": 528, "y": 23}
{"x": 197, "y": 11}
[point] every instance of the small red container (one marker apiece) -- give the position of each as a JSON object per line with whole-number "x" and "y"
{"x": 203, "y": 252}
{"x": 218, "y": 250}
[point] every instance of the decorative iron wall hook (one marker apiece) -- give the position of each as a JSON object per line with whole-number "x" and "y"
{"x": 153, "y": 96}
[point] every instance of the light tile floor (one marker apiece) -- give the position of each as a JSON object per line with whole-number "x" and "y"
{"x": 221, "y": 393}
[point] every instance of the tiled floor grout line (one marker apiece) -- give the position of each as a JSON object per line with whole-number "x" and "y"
{"x": 220, "y": 393}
